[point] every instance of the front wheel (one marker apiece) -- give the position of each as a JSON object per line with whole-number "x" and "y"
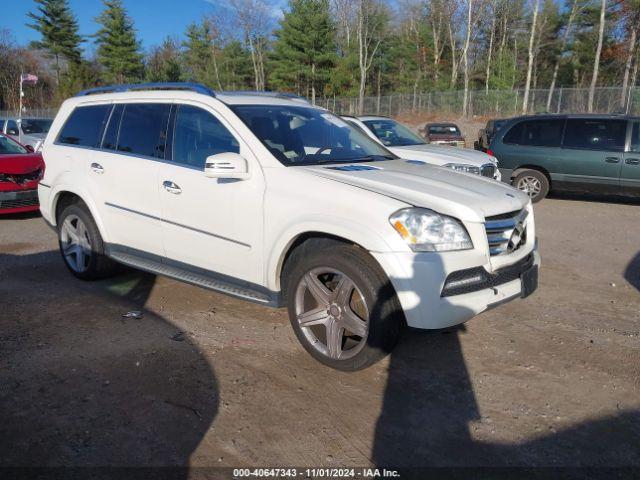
{"x": 342, "y": 306}
{"x": 533, "y": 183}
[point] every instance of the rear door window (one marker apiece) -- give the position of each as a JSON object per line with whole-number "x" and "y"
{"x": 143, "y": 129}
{"x": 595, "y": 134}
{"x": 84, "y": 126}
{"x": 12, "y": 127}
{"x": 540, "y": 133}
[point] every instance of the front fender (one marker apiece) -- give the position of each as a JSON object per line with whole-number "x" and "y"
{"x": 321, "y": 225}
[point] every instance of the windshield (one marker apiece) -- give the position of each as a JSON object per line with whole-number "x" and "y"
{"x": 8, "y": 146}
{"x": 35, "y": 125}
{"x": 444, "y": 130}
{"x": 309, "y": 136}
{"x": 392, "y": 133}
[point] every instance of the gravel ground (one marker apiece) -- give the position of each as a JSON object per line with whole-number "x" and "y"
{"x": 206, "y": 380}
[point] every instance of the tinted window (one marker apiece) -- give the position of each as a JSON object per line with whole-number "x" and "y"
{"x": 635, "y": 137}
{"x": 84, "y": 126}
{"x": 1, "y": 125}
{"x": 542, "y": 133}
{"x": 35, "y": 125}
{"x": 197, "y": 135}
{"x": 143, "y": 129}
{"x": 444, "y": 130}
{"x": 110, "y": 140}
{"x": 393, "y": 134}
{"x": 593, "y": 134}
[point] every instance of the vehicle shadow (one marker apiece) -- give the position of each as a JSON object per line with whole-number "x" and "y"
{"x": 84, "y": 386}
{"x": 430, "y": 408}
{"x": 593, "y": 197}
{"x": 632, "y": 272}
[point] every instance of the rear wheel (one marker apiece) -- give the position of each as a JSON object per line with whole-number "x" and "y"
{"x": 532, "y": 182}
{"x": 342, "y": 306}
{"x": 81, "y": 244}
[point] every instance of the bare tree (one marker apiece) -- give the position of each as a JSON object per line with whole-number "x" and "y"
{"x": 436, "y": 17}
{"x": 632, "y": 10}
{"x": 253, "y": 19}
{"x": 596, "y": 60}
{"x": 563, "y": 45}
{"x": 527, "y": 86}
{"x": 368, "y": 30}
{"x": 465, "y": 61}
{"x": 492, "y": 14}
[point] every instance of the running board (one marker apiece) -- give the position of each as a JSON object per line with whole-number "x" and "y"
{"x": 198, "y": 279}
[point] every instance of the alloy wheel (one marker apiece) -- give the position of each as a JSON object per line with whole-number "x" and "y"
{"x": 332, "y": 313}
{"x": 75, "y": 243}
{"x": 529, "y": 185}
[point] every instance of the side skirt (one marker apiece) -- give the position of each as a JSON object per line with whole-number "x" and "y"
{"x": 195, "y": 276}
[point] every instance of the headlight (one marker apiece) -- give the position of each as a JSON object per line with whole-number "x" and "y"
{"x": 427, "y": 231}
{"x": 463, "y": 167}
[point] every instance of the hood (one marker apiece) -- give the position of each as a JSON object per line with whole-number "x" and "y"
{"x": 442, "y": 155}
{"x": 464, "y": 196}
{"x": 20, "y": 163}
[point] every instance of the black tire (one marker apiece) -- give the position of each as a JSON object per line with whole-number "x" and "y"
{"x": 386, "y": 319}
{"x": 534, "y": 177}
{"x": 97, "y": 265}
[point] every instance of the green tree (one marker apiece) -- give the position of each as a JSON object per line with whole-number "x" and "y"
{"x": 118, "y": 49}
{"x": 304, "y": 50}
{"x": 198, "y": 54}
{"x": 58, "y": 27}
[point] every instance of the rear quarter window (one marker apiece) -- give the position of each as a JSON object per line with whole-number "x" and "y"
{"x": 84, "y": 126}
{"x": 539, "y": 133}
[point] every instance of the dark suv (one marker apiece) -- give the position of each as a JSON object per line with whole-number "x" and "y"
{"x": 585, "y": 153}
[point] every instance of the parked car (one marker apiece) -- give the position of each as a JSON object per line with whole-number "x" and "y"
{"x": 274, "y": 200}
{"x": 583, "y": 153}
{"x": 27, "y": 131}
{"x": 20, "y": 171}
{"x": 447, "y": 134}
{"x": 486, "y": 134}
{"x": 406, "y": 144}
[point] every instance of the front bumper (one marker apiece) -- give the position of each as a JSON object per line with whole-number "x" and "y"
{"x": 16, "y": 201}
{"x": 419, "y": 280}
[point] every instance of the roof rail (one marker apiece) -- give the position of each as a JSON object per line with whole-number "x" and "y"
{"x": 287, "y": 95}
{"x": 194, "y": 87}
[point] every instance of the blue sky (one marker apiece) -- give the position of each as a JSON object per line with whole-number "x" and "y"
{"x": 154, "y": 19}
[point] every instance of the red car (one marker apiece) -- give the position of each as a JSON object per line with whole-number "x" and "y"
{"x": 20, "y": 171}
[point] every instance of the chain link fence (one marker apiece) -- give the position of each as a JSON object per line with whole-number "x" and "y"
{"x": 31, "y": 113}
{"x": 493, "y": 103}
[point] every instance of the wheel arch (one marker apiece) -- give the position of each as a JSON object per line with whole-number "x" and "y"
{"x": 65, "y": 196}
{"x": 292, "y": 240}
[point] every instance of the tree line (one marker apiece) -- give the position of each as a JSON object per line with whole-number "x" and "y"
{"x": 341, "y": 48}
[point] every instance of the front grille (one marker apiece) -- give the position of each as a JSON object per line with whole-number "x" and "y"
{"x": 476, "y": 279}
{"x": 21, "y": 178}
{"x": 488, "y": 170}
{"x": 507, "y": 232}
{"x": 9, "y": 200}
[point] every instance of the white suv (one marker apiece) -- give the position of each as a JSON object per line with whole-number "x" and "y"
{"x": 271, "y": 199}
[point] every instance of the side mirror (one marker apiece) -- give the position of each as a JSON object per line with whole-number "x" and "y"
{"x": 29, "y": 148}
{"x": 226, "y": 165}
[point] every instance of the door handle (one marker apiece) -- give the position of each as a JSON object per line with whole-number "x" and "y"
{"x": 96, "y": 167}
{"x": 612, "y": 160}
{"x": 632, "y": 161}
{"x": 171, "y": 187}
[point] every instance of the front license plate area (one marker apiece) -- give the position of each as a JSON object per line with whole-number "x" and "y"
{"x": 529, "y": 280}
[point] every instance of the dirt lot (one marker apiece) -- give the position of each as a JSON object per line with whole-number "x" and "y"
{"x": 549, "y": 381}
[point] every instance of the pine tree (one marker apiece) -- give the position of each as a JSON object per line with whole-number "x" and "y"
{"x": 304, "y": 51}
{"x": 198, "y": 54}
{"x": 58, "y": 27}
{"x": 118, "y": 49}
